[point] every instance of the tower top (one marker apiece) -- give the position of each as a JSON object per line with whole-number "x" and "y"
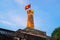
{"x": 30, "y": 12}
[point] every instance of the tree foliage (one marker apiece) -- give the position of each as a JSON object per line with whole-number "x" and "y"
{"x": 56, "y": 34}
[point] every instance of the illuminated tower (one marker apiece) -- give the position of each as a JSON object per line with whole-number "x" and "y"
{"x": 30, "y": 22}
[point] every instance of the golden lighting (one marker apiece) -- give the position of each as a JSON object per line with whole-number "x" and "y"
{"x": 30, "y": 23}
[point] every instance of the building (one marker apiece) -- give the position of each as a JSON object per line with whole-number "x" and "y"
{"x": 6, "y": 34}
{"x": 26, "y": 34}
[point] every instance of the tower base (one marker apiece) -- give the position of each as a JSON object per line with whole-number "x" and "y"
{"x": 31, "y": 34}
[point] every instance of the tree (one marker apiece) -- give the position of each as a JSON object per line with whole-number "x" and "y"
{"x": 56, "y": 34}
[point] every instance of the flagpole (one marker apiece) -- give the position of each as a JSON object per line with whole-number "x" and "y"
{"x": 30, "y": 4}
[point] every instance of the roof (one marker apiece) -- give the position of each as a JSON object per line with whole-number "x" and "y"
{"x": 7, "y": 32}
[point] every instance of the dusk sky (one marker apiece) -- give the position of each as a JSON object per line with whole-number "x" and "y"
{"x": 46, "y": 14}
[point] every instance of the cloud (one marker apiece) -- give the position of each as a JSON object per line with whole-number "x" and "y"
{"x": 13, "y": 19}
{"x": 20, "y": 1}
{"x": 23, "y": 2}
{"x": 17, "y": 18}
{"x": 5, "y": 22}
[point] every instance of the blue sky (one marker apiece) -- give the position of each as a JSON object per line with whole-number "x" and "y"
{"x": 46, "y": 14}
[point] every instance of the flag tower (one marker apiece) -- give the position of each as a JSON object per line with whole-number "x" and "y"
{"x": 30, "y": 21}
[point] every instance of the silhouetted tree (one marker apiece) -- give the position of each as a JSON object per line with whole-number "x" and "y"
{"x": 56, "y": 34}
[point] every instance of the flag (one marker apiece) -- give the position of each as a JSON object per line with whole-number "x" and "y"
{"x": 27, "y": 7}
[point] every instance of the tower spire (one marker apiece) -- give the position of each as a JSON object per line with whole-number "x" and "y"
{"x": 30, "y": 22}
